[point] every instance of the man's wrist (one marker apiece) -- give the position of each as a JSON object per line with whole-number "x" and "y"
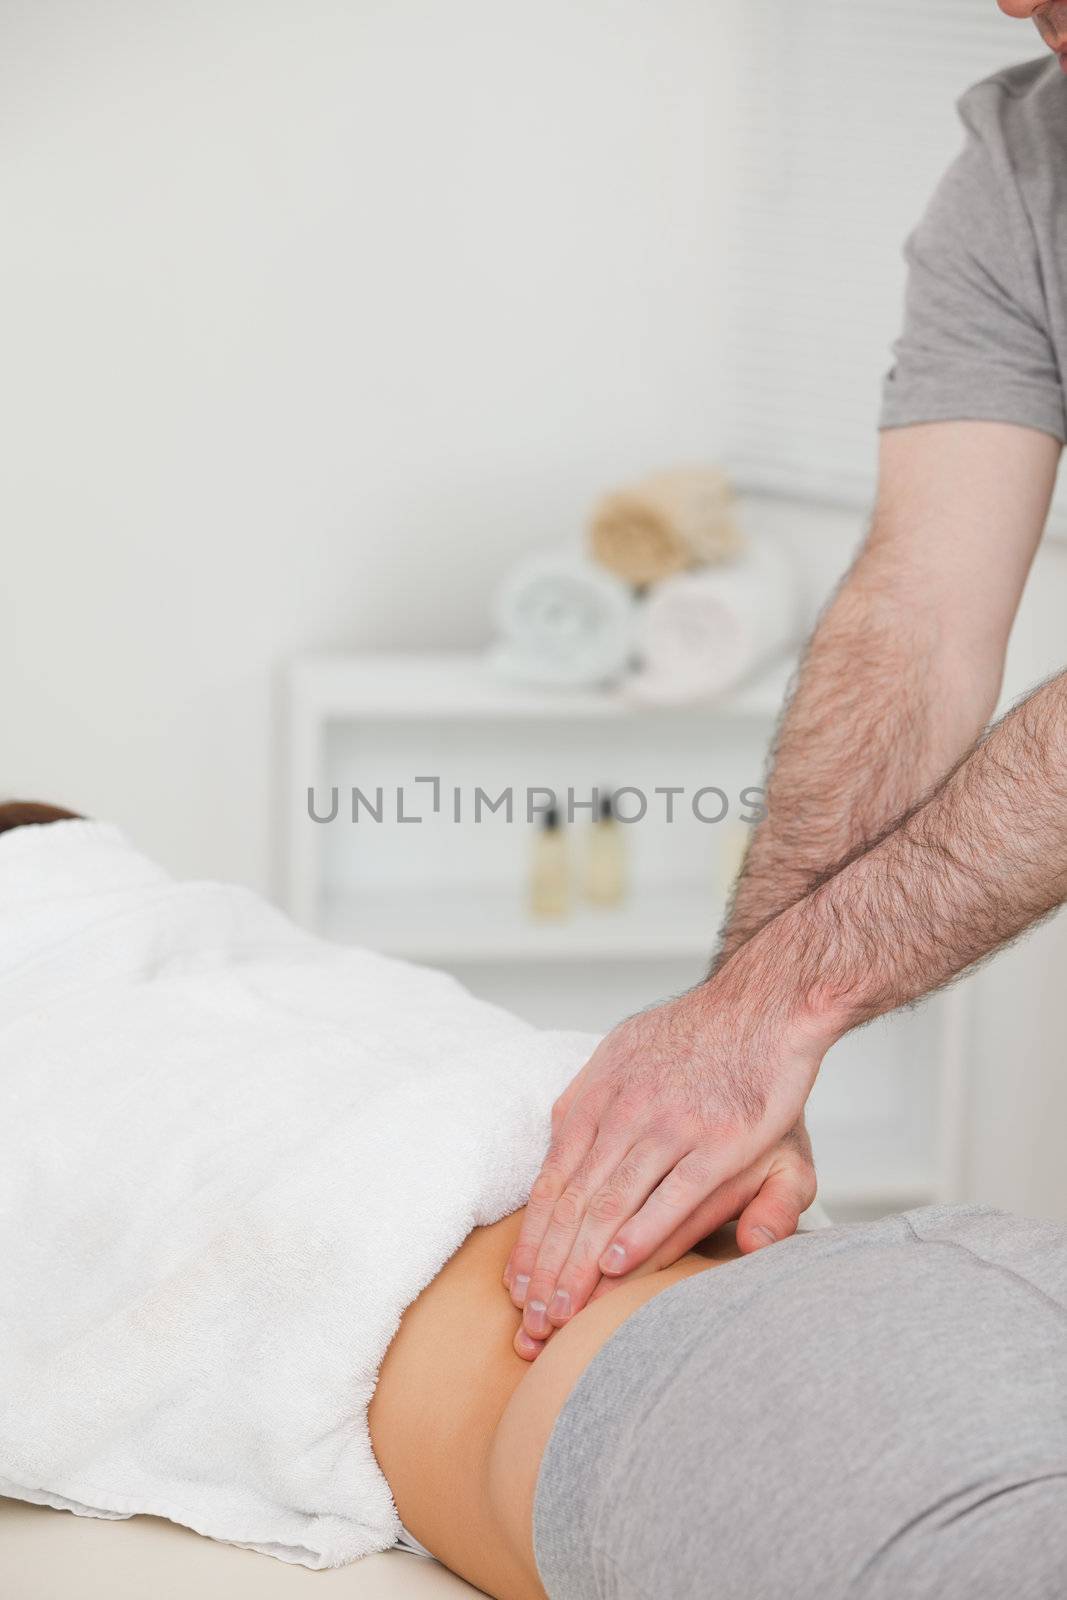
{"x": 775, "y": 974}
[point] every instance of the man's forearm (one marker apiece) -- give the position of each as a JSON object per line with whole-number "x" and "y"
{"x": 882, "y": 709}
{"x": 975, "y": 864}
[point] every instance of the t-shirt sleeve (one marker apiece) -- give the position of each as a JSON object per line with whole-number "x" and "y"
{"x": 975, "y": 342}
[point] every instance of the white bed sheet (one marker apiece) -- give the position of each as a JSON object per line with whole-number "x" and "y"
{"x": 53, "y": 1555}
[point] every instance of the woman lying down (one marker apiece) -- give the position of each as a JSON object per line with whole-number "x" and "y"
{"x": 256, "y": 1197}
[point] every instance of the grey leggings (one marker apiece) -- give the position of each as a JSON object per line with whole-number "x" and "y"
{"x": 876, "y": 1411}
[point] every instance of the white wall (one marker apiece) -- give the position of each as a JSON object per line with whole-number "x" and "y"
{"x": 312, "y": 315}
{"x": 850, "y": 124}
{"x": 1018, "y": 1018}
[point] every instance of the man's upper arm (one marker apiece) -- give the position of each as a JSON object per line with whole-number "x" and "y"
{"x": 961, "y": 507}
{"x": 976, "y": 340}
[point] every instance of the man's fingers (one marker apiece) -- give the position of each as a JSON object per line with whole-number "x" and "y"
{"x": 608, "y": 1170}
{"x": 560, "y": 1113}
{"x": 686, "y": 1186}
{"x": 619, "y": 1197}
{"x": 564, "y": 1102}
{"x": 529, "y": 1349}
{"x": 773, "y": 1214}
{"x": 568, "y": 1150}
{"x": 719, "y": 1208}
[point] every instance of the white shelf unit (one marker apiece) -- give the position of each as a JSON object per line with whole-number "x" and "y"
{"x": 457, "y": 690}
{"x": 493, "y": 926}
{"x": 886, "y": 1115}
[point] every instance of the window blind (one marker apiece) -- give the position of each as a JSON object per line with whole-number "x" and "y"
{"x": 845, "y": 123}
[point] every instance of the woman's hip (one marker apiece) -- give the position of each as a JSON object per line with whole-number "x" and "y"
{"x": 872, "y": 1411}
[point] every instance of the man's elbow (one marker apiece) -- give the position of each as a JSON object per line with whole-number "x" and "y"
{"x": 922, "y": 638}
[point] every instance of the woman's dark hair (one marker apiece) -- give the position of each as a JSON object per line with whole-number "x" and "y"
{"x": 19, "y": 813}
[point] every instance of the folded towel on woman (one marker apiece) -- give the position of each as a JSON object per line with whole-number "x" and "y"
{"x": 230, "y": 1156}
{"x": 562, "y": 622}
{"x": 671, "y": 520}
{"x": 700, "y": 633}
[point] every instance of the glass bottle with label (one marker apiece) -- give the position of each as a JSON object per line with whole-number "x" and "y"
{"x": 549, "y": 876}
{"x": 604, "y": 879}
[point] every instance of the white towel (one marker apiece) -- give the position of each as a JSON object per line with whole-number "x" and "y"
{"x": 701, "y": 633}
{"x": 563, "y": 622}
{"x": 682, "y": 517}
{"x": 230, "y": 1156}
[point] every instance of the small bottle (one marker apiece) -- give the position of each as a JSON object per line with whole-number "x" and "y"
{"x": 605, "y": 860}
{"x": 549, "y": 878}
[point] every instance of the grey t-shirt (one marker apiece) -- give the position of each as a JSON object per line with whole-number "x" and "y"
{"x": 985, "y": 323}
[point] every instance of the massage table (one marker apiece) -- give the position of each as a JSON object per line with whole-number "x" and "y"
{"x": 46, "y": 1555}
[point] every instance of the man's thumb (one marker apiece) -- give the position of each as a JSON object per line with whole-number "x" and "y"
{"x": 774, "y": 1213}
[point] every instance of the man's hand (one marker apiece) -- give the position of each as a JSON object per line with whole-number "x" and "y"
{"x": 666, "y": 1133}
{"x": 768, "y": 1199}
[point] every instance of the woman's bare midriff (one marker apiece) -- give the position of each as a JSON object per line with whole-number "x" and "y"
{"x": 459, "y": 1421}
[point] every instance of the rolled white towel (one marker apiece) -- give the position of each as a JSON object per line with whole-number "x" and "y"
{"x": 683, "y": 517}
{"x": 562, "y": 621}
{"x": 700, "y": 633}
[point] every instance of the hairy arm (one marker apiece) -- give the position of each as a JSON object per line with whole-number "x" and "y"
{"x": 905, "y": 666}
{"x": 975, "y": 863}
{"x": 968, "y": 869}
{"x": 681, "y": 1118}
